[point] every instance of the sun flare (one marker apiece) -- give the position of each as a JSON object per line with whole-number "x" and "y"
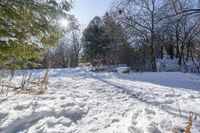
{"x": 64, "y": 22}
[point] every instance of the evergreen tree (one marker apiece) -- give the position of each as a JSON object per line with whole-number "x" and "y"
{"x": 116, "y": 39}
{"x": 28, "y": 27}
{"x": 103, "y": 40}
{"x": 94, "y": 44}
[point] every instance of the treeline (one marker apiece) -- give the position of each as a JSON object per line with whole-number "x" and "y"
{"x": 133, "y": 32}
{"x": 137, "y": 32}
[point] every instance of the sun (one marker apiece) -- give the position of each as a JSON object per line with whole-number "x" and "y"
{"x": 64, "y": 22}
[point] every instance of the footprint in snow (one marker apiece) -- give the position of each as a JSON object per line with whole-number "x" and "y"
{"x": 169, "y": 101}
{"x": 115, "y": 120}
{"x": 3, "y": 115}
{"x": 172, "y": 95}
{"x": 62, "y": 98}
{"x": 149, "y": 111}
{"x": 68, "y": 105}
{"x": 192, "y": 97}
{"x": 47, "y": 98}
{"x": 21, "y": 107}
{"x": 138, "y": 116}
{"x": 135, "y": 116}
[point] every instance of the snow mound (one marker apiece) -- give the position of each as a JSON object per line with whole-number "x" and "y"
{"x": 123, "y": 69}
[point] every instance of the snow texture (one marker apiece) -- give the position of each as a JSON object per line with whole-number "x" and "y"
{"x": 79, "y": 101}
{"x": 167, "y": 64}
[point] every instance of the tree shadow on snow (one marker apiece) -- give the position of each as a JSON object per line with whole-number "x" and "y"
{"x": 140, "y": 97}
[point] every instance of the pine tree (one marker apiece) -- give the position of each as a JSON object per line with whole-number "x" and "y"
{"x": 94, "y": 44}
{"x": 28, "y": 28}
{"x": 116, "y": 38}
{"x": 103, "y": 40}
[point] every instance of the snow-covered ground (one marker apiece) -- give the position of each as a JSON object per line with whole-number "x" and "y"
{"x": 79, "y": 101}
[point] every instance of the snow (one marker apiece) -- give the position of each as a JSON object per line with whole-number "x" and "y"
{"x": 167, "y": 64}
{"x": 80, "y": 101}
{"x": 123, "y": 69}
{"x": 7, "y": 39}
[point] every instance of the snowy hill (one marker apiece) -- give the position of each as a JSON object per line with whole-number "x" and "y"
{"x": 79, "y": 101}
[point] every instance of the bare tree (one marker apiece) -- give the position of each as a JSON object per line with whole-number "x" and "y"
{"x": 141, "y": 18}
{"x": 192, "y": 8}
{"x": 154, "y": 30}
{"x": 67, "y": 53}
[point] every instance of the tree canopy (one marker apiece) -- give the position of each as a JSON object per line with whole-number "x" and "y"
{"x": 28, "y": 27}
{"x": 103, "y": 40}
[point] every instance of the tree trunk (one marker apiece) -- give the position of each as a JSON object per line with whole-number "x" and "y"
{"x": 177, "y": 44}
{"x": 188, "y": 50}
{"x": 171, "y": 51}
{"x": 153, "y": 44}
{"x": 161, "y": 52}
{"x": 181, "y": 55}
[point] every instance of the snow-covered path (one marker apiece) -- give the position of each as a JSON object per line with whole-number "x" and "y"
{"x": 78, "y": 101}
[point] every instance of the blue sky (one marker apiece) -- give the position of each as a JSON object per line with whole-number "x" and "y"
{"x": 85, "y": 10}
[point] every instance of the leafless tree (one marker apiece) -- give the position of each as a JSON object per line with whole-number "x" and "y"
{"x": 154, "y": 30}
{"x": 141, "y": 18}
{"x": 67, "y": 53}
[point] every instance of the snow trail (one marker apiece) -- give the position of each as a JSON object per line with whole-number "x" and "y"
{"x": 79, "y": 101}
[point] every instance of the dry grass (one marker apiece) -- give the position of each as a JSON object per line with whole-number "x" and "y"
{"x": 177, "y": 103}
{"x": 29, "y": 84}
{"x": 188, "y": 127}
{"x": 189, "y": 124}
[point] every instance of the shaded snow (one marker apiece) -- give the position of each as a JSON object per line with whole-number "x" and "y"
{"x": 79, "y": 101}
{"x": 167, "y": 64}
